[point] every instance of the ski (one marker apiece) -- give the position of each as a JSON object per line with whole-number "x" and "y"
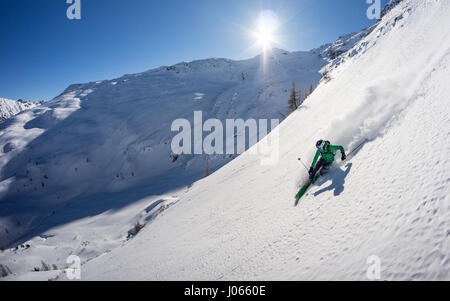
{"x": 303, "y": 190}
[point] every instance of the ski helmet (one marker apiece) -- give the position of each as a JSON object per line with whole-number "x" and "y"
{"x": 320, "y": 144}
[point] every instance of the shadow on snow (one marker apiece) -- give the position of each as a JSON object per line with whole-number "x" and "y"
{"x": 338, "y": 180}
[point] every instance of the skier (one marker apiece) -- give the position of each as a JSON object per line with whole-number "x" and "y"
{"x": 327, "y": 153}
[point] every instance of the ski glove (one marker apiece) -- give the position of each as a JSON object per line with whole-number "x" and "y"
{"x": 311, "y": 171}
{"x": 343, "y": 157}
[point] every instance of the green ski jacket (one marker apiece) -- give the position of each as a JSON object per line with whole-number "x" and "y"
{"x": 327, "y": 153}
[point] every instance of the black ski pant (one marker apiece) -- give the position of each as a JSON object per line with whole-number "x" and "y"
{"x": 321, "y": 165}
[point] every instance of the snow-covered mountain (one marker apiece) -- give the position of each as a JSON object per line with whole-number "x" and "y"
{"x": 112, "y": 135}
{"x": 337, "y": 52}
{"x": 79, "y": 172}
{"x": 9, "y": 107}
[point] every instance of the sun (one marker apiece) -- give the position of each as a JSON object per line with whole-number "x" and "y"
{"x": 267, "y": 24}
{"x": 264, "y": 39}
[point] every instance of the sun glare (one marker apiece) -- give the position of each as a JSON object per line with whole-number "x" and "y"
{"x": 264, "y": 39}
{"x": 267, "y": 25}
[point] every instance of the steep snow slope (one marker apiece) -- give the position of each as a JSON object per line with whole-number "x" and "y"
{"x": 389, "y": 200}
{"x": 9, "y": 107}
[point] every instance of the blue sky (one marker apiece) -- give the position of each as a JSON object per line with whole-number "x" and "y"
{"x": 42, "y": 52}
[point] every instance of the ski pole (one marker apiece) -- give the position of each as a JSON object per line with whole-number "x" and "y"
{"x": 300, "y": 159}
{"x": 356, "y": 148}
